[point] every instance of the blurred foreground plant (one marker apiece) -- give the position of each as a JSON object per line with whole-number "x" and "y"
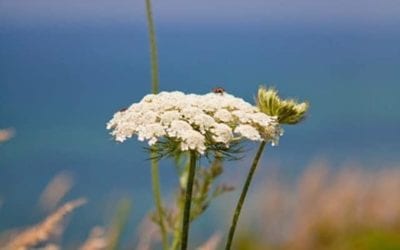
{"x": 50, "y": 227}
{"x": 6, "y": 134}
{"x": 327, "y": 208}
{"x": 155, "y": 175}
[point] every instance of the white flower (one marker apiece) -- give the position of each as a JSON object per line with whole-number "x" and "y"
{"x": 205, "y": 122}
{"x": 242, "y": 116}
{"x": 193, "y": 121}
{"x": 249, "y": 132}
{"x": 222, "y": 133}
{"x": 193, "y": 140}
{"x": 223, "y": 115}
{"x": 168, "y": 116}
{"x": 151, "y": 132}
{"x": 178, "y": 127}
{"x": 190, "y": 112}
{"x": 261, "y": 119}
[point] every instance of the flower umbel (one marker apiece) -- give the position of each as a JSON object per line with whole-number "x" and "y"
{"x": 193, "y": 122}
{"x": 287, "y": 111}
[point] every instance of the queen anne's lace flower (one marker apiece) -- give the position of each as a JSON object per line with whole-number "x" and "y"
{"x": 193, "y": 121}
{"x": 151, "y": 132}
{"x": 223, "y": 115}
{"x": 248, "y": 132}
{"x": 222, "y": 133}
{"x": 193, "y": 140}
{"x": 177, "y": 128}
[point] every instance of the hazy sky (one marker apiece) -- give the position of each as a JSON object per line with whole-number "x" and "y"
{"x": 202, "y": 11}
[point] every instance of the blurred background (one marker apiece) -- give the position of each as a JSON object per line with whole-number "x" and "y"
{"x": 67, "y": 66}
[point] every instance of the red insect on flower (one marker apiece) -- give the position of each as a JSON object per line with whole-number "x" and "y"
{"x": 218, "y": 90}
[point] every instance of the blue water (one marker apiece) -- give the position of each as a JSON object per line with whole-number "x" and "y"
{"x": 60, "y": 85}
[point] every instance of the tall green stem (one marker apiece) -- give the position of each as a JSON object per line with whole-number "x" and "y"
{"x": 153, "y": 48}
{"x": 154, "y": 89}
{"x": 240, "y": 203}
{"x": 188, "y": 201}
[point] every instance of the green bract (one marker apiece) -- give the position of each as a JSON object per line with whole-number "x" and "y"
{"x": 287, "y": 111}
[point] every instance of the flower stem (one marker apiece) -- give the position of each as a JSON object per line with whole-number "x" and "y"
{"x": 157, "y": 199}
{"x": 177, "y": 228}
{"x": 240, "y": 203}
{"x": 188, "y": 201}
{"x": 154, "y": 90}
{"x": 153, "y": 48}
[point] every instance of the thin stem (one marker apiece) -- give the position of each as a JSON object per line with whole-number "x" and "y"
{"x": 177, "y": 227}
{"x": 154, "y": 89}
{"x": 153, "y": 48}
{"x": 188, "y": 201}
{"x": 240, "y": 203}
{"x": 118, "y": 227}
{"x": 155, "y": 179}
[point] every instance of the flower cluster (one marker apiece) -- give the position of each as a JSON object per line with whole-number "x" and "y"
{"x": 194, "y": 121}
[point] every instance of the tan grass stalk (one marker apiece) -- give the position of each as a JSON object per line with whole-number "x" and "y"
{"x": 57, "y": 188}
{"x": 44, "y": 231}
{"x": 329, "y": 206}
{"x": 212, "y": 243}
{"x": 97, "y": 240}
{"x": 50, "y": 247}
{"x": 6, "y": 134}
{"x": 148, "y": 234}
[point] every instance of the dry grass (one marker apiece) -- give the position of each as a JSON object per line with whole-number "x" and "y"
{"x": 148, "y": 235}
{"x": 330, "y": 210}
{"x": 50, "y": 227}
{"x": 57, "y": 188}
{"x": 325, "y": 209}
{"x": 212, "y": 243}
{"x": 6, "y": 134}
{"x": 97, "y": 240}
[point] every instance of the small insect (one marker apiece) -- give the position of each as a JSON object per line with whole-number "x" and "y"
{"x": 218, "y": 90}
{"x": 122, "y": 110}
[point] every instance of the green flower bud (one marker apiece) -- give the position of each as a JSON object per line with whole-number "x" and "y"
{"x": 287, "y": 111}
